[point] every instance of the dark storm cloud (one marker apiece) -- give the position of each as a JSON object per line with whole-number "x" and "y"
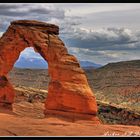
{"x": 9, "y": 13}
{"x": 44, "y": 12}
{"x": 24, "y": 9}
{"x": 40, "y": 11}
{"x": 8, "y": 6}
{"x": 51, "y": 13}
{"x": 104, "y": 39}
{"x": 6, "y": 10}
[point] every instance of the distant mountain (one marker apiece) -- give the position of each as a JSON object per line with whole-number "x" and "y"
{"x": 31, "y": 63}
{"x": 122, "y": 64}
{"x": 89, "y": 64}
{"x": 35, "y": 63}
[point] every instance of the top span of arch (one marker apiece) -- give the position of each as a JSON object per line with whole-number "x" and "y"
{"x": 49, "y": 28}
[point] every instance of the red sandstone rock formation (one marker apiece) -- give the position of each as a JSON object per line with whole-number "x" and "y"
{"x": 68, "y": 90}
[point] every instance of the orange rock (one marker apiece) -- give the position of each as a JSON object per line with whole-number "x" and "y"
{"x": 68, "y": 88}
{"x": 6, "y": 93}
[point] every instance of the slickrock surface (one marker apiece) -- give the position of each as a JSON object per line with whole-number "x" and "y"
{"x": 13, "y": 125}
{"x": 68, "y": 89}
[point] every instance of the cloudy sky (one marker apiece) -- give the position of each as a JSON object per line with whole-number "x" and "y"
{"x": 97, "y": 32}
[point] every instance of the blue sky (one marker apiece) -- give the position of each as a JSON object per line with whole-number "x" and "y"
{"x": 97, "y": 32}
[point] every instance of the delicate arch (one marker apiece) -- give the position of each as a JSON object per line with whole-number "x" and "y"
{"x": 68, "y": 89}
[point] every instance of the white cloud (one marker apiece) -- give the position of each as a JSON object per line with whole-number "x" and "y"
{"x": 30, "y": 54}
{"x": 1, "y": 33}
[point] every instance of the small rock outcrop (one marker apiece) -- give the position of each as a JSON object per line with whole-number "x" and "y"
{"x": 68, "y": 93}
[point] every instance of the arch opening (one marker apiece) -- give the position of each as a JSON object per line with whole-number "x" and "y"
{"x": 30, "y": 80}
{"x": 30, "y": 71}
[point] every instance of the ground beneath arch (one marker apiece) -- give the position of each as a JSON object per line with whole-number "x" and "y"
{"x": 15, "y": 125}
{"x": 27, "y": 119}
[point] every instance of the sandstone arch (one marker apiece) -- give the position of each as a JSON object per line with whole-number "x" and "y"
{"x": 68, "y": 92}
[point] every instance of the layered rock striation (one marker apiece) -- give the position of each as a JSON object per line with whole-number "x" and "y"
{"x": 68, "y": 93}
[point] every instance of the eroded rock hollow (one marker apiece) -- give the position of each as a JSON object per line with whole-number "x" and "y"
{"x": 68, "y": 93}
